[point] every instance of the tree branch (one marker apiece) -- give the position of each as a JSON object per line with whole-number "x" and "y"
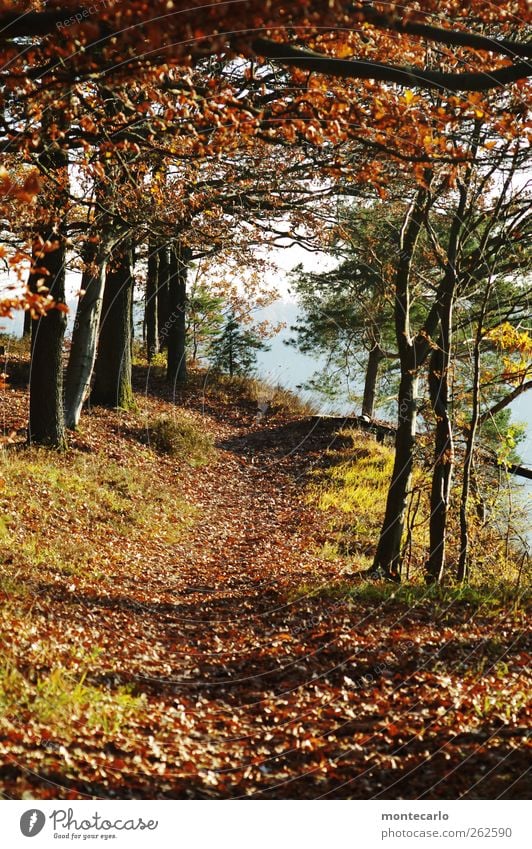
{"x": 309, "y": 60}
{"x": 504, "y": 402}
{"x": 449, "y": 37}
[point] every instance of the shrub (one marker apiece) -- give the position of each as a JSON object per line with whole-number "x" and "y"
{"x": 182, "y": 438}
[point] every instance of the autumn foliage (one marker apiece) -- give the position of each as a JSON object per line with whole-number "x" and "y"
{"x": 203, "y": 603}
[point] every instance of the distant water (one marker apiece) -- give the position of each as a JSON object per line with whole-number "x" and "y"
{"x": 291, "y": 369}
{"x": 286, "y": 366}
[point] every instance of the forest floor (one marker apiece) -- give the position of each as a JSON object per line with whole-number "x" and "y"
{"x": 175, "y": 630}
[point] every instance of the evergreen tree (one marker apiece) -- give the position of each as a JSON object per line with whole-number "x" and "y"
{"x": 205, "y": 320}
{"x": 235, "y": 349}
{"x": 347, "y": 312}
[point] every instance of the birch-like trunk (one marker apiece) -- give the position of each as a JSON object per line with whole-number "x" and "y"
{"x": 85, "y": 335}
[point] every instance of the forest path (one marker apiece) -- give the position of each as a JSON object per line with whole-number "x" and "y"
{"x": 244, "y": 683}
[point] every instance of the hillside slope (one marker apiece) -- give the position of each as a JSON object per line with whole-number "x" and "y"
{"x": 176, "y": 627}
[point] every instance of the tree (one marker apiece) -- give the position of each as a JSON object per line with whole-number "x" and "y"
{"x": 46, "y": 419}
{"x": 151, "y": 314}
{"x": 348, "y": 311}
{"x": 69, "y": 26}
{"x": 169, "y": 99}
{"x": 413, "y": 351}
{"x": 112, "y": 373}
{"x": 495, "y": 231}
{"x": 235, "y": 349}
{"x": 462, "y": 256}
{"x": 180, "y": 256}
{"x": 204, "y": 319}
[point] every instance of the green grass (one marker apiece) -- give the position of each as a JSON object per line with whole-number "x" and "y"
{"x": 352, "y": 491}
{"x": 491, "y": 597}
{"x": 62, "y": 699}
{"x": 55, "y": 507}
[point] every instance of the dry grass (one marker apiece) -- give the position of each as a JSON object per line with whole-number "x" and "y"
{"x": 55, "y": 507}
{"x": 180, "y": 437}
{"x": 352, "y": 491}
{"x": 252, "y": 390}
{"x": 14, "y": 346}
{"x": 63, "y": 699}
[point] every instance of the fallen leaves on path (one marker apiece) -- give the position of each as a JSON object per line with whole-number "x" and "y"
{"x": 199, "y": 667}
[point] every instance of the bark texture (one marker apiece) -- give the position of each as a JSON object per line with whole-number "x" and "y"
{"x": 376, "y": 356}
{"x": 388, "y": 556}
{"x": 151, "y": 312}
{"x": 46, "y": 420}
{"x": 112, "y": 382}
{"x": 177, "y": 289}
{"x": 85, "y": 334}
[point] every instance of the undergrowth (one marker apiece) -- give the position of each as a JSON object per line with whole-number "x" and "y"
{"x": 250, "y": 390}
{"x": 62, "y": 699}
{"x": 182, "y": 438}
{"x": 352, "y": 490}
{"x": 489, "y": 597}
{"x": 14, "y": 346}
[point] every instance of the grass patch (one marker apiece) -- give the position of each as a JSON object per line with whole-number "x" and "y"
{"x": 352, "y": 491}
{"x": 489, "y": 596}
{"x": 79, "y": 514}
{"x": 14, "y": 345}
{"x": 181, "y": 437}
{"x": 63, "y": 700}
{"x": 252, "y": 390}
{"x": 15, "y": 363}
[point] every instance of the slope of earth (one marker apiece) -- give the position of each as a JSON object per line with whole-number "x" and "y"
{"x": 157, "y": 639}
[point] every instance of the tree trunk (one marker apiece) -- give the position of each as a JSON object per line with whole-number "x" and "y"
{"x": 439, "y": 385}
{"x": 463, "y": 561}
{"x": 26, "y": 330}
{"x": 375, "y": 358}
{"x": 177, "y": 362}
{"x": 85, "y": 335}
{"x": 46, "y": 421}
{"x": 388, "y": 556}
{"x": 151, "y": 312}
{"x": 112, "y": 384}
{"x": 231, "y": 353}
{"x": 443, "y": 454}
{"x": 468, "y": 479}
{"x": 162, "y": 297}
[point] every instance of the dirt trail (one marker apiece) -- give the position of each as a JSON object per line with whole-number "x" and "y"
{"x": 248, "y": 686}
